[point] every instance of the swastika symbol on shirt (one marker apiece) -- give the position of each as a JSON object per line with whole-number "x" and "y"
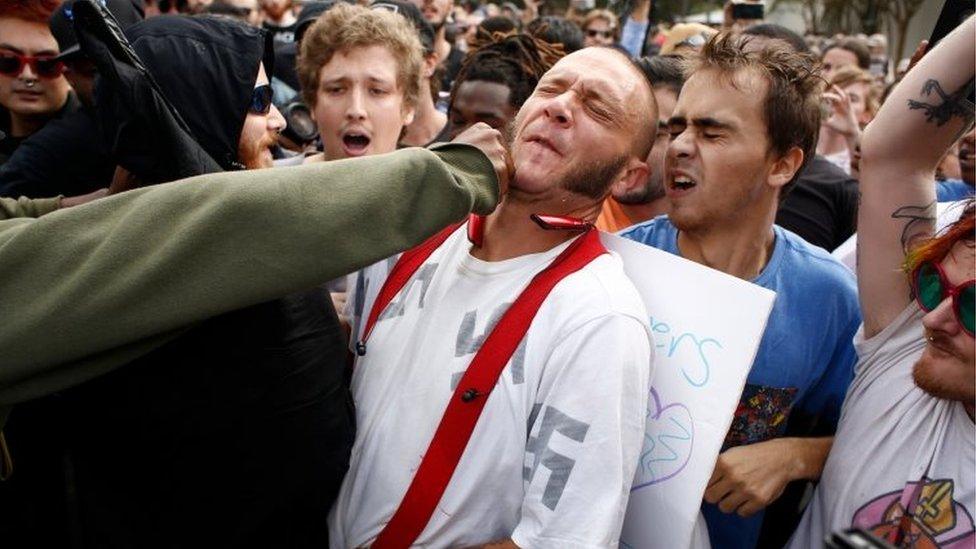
{"x": 424, "y": 276}
{"x": 560, "y": 466}
{"x": 467, "y": 343}
{"x": 517, "y": 367}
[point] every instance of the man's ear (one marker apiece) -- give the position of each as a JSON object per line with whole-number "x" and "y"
{"x": 631, "y": 177}
{"x": 430, "y": 65}
{"x": 408, "y": 114}
{"x": 785, "y": 168}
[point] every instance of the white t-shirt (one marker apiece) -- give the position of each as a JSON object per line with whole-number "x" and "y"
{"x": 554, "y": 452}
{"x": 841, "y": 159}
{"x": 896, "y": 447}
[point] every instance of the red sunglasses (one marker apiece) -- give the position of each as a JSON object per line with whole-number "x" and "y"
{"x": 931, "y": 288}
{"x": 12, "y": 64}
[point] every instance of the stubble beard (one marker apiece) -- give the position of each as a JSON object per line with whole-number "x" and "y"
{"x": 927, "y": 376}
{"x": 591, "y": 180}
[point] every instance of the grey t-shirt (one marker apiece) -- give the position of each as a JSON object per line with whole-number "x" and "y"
{"x": 896, "y": 448}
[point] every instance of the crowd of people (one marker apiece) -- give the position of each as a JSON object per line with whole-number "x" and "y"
{"x": 283, "y": 274}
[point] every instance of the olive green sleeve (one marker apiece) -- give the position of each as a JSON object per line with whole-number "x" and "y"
{"x": 88, "y": 288}
{"x": 27, "y": 207}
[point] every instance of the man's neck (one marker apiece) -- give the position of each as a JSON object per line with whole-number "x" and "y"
{"x": 427, "y": 123}
{"x": 441, "y": 45}
{"x": 741, "y": 249}
{"x": 510, "y": 232}
{"x": 638, "y": 213}
{"x": 23, "y": 126}
{"x": 830, "y": 142}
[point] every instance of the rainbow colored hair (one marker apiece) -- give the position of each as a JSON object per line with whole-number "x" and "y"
{"x": 936, "y": 248}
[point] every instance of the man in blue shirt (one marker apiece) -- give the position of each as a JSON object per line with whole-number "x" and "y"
{"x": 744, "y": 125}
{"x": 951, "y": 190}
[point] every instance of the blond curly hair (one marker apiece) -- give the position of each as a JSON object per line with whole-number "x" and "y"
{"x": 346, "y": 27}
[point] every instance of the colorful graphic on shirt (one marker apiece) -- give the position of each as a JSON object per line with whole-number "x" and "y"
{"x": 761, "y": 415}
{"x": 938, "y": 521}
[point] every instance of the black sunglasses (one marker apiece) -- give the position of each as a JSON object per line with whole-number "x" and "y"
{"x": 593, "y": 33}
{"x": 261, "y": 99}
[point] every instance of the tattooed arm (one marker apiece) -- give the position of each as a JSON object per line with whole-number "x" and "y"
{"x": 923, "y": 117}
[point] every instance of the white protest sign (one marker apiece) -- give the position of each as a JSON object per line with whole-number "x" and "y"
{"x": 707, "y": 326}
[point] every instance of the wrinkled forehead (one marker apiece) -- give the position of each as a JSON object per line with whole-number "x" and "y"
{"x": 740, "y": 92}
{"x": 600, "y": 69}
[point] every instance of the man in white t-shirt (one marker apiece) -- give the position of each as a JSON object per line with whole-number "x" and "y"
{"x": 552, "y": 457}
{"x": 903, "y": 463}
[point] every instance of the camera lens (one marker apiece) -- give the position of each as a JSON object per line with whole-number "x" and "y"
{"x": 300, "y": 122}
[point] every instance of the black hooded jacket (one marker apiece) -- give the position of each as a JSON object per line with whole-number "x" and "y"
{"x": 238, "y": 432}
{"x": 206, "y": 67}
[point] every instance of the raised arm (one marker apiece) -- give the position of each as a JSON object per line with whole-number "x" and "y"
{"x": 925, "y": 114}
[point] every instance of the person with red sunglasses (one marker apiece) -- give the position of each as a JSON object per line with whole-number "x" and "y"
{"x": 68, "y": 156}
{"x": 903, "y": 462}
{"x": 33, "y": 89}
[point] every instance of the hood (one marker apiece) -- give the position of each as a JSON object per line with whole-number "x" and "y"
{"x": 126, "y": 12}
{"x": 172, "y": 102}
{"x": 206, "y": 68}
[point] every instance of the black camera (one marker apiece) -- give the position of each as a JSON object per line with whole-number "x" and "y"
{"x": 300, "y": 126}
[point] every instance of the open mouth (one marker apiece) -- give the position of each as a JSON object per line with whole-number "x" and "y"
{"x": 355, "y": 143}
{"x": 682, "y": 183}
{"x": 544, "y": 143}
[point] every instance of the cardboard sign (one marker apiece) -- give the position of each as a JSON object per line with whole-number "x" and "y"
{"x": 707, "y": 326}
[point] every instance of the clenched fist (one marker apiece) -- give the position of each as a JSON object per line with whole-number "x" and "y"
{"x": 491, "y": 142}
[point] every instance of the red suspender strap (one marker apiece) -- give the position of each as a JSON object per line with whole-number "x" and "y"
{"x": 465, "y": 406}
{"x": 405, "y": 267}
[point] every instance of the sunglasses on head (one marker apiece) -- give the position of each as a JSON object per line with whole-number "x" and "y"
{"x": 261, "y": 99}
{"x": 593, "y": 33}
{"x": 693, "y": 41}
{"x": 932, "y": 288}
{"x": 12, "y": 64}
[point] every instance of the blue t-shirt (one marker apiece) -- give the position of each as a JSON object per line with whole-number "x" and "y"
{"x": 805, "y": 359}
{"x": 952, "y": 190}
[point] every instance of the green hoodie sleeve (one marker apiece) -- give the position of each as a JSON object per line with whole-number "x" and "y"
{"x": 27, "y": 207}
{"x": 88, "y": 288}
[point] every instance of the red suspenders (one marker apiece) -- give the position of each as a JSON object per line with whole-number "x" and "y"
{"x": 405, "y": 267}
{"x": 468, "y": 400}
